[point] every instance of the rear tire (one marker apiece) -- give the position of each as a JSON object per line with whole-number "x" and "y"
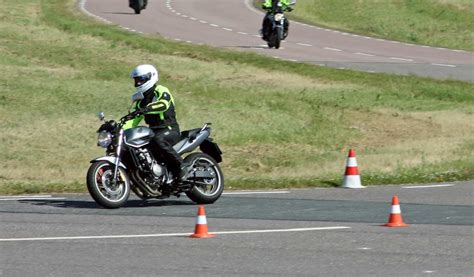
{"x": 138, "y": 6}
{"x": 99, "y": 184}
{"x": 209, "y": 189}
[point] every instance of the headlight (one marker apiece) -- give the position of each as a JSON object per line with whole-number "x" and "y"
{"x": 279, "y": 16}
{"x": 104, "y": 139}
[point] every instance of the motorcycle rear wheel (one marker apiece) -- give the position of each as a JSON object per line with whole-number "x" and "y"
{"x": 208, "y": 190}
{"x": 101, "y": 187}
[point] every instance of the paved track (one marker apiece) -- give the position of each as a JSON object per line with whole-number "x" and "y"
{"x": 235, "y": 23}
{"x": 311, "y": 232}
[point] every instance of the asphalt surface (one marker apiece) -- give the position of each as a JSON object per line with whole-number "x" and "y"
{"x": 235, "y": 24}
{"x": 307, "y": 232}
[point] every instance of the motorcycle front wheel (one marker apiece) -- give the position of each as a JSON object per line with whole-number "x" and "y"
{"x": 101, "y": 187}
{"x": 207, "y": 177}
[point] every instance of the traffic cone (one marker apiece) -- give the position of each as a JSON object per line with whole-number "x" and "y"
{"x": 200, "y": 231}
{"x": 351, "y": 177}
{"x": 395, "y": 219}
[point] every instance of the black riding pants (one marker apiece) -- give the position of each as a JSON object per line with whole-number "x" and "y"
{"x": 162, "y": 148}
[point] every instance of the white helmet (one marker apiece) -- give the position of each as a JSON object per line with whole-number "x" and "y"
{"x": 145, "y": 76}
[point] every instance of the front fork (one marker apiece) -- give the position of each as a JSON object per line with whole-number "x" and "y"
{"x": 117, "y": 158}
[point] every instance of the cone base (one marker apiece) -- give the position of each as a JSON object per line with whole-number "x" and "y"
{"x": 201, "y": 236}
{"x": 395, "y": 225}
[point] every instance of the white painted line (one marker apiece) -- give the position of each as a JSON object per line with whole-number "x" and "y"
{"x": 401, "y": 59}
{"x": 364, "y": 54}
{"x": 214, "y": 25}
{"x": 176, "y": 234}
{"x": 283, "y": 230}
{"x": 242, "y": 33}
{"x": 29, "y": 197}
{"x": 332, "y": 49}
{"x": 441, "y": 64}
{"x": 185, "y": 16}
{"x": 203, "y": 21}
{"x": 255, "y": 192}
{"x": 304, "y": 44}
{"x": 32, "y": 198}
{"x": 227, "y": 29}
{"x": 430, "y": 186}
{"x": 193, "y": 18}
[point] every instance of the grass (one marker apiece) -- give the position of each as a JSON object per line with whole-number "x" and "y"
{"x": 444, "y": 23}
{"x": 279, "y": 124}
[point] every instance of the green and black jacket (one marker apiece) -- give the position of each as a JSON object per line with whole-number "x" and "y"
{"x": 160, "y": 103}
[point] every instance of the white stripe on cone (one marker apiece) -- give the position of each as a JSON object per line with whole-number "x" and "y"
{"x": 352, "y": 181}
{"x": 396, "y": 209}
{"x": 351, "y": 162}
{"x": 201, "y": 219}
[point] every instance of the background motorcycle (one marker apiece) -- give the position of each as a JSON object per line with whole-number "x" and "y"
{"x": 137, "y": 5}
{"x": 129, "y": 165}
{"x": 277, "y": 21}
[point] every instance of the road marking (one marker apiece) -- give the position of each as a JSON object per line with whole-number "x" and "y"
{"x": 214, "y": 25}
{"x": 332, "y": 49}
{"x": 176, "y": 234}
{"x": 203, "y": 21}
{"x": 242, "y": 33}
{"x": 255, "y": 192}
{"x": 401, "y": 59}
{"x": 430, "y": 186}
{"x": 29, "y": 197}
{"x": 442, "y": 64}
{"x": 304, "y": 44}
{"x": 227, "y": 29}
{"x": 364, "y": 54}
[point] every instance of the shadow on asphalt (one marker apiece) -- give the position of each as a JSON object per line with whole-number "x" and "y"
{"x": 81, "y": 204}
{"x": 130, "y": 13}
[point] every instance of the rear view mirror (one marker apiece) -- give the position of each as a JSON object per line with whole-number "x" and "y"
{"x": 137, "y": 96}
{"x": 101, "y": 115}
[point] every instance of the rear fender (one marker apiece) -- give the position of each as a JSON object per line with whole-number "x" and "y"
{"x": 212, "y": 149}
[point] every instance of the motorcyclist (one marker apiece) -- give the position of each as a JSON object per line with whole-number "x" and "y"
{"x": 131, "y": 2}
{"x": 158, "y": 109}
{"x": 269, "y": 6}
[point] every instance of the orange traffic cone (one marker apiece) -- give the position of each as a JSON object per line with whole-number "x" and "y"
{"x": 351, "y": 176}
{"x": 395, "y": 219}
{"x": 200, "y": 231}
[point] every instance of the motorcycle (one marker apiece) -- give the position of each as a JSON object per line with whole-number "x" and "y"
{"x": 276, "y": 25}
{"x": 137, "y": 5}
{"x": 130, "y": 166}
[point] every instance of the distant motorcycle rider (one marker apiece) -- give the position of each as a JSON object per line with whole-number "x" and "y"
{"x": 158, "y": 109}
{"x": 270, "y": 6}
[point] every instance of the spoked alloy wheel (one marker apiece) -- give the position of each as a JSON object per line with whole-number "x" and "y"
{"x": 102, "y": 188}
{"x": 207, "y": 177}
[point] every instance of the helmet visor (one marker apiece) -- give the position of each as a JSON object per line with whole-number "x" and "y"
{"x": 140, "y": 80}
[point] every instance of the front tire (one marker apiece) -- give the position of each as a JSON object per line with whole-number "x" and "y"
{"x": 278, "y": 37}
{"x": 101, "y": 187}
{"x": 206, "y": 190}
